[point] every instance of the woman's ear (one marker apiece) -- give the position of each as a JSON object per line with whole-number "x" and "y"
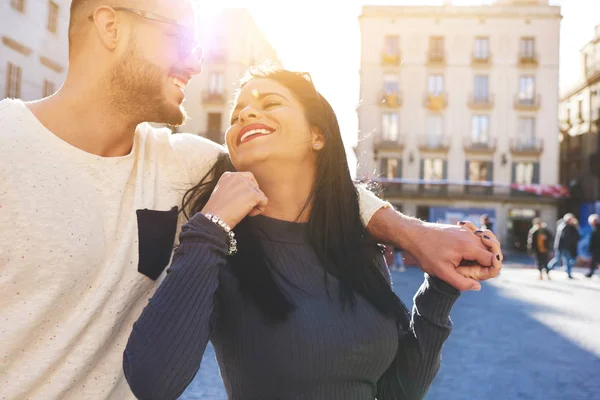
{"x": 317, "y": 138}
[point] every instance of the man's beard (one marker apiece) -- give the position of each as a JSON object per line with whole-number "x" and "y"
{"x": 139, "y": 89}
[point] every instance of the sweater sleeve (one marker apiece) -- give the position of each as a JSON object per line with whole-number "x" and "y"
{"x": 167, "y": 342}
{"x": 419, "y": 350}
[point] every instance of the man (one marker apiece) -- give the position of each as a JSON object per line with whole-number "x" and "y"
{"x": 486, "y": 223}
{"x": 538, "y": 244}
{"x": 594, "y": 246}
{"x": 565, "y": 244}
{"x": 87, "y": 191}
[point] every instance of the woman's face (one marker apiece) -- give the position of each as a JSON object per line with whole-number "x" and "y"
{"x": 269, "y": 127}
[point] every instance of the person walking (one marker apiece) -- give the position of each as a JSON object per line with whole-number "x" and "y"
{"x": 594, "y": 247}
{"x": 565, "y": 244}
{"x": 539, "y": 239}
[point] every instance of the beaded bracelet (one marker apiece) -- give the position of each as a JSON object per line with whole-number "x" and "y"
{"x": 230, "y": 235}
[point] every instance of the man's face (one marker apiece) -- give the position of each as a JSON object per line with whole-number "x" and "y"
{"x": 158, "y": 62}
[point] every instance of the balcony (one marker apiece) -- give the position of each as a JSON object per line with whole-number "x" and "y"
{"x": 529, "y": 59}
{"x": 210, "y": 97}
{"x": 436, "y": 58}
{"x": 481, "y": 60}
{"x": 391, "y": 100}
{"x": 435, "y": 102}
{"x": 478, "y": 102}
{"x": 390, "y": 59}
{"x": 479, "y": 146}
{"x": 527, "y": 103}
{"x": 390, "y": 144}
{"x": 434, "y": 143}
{"x": 527, "y": 146}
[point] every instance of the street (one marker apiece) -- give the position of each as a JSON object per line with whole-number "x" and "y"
{"x": 519, "y": 338}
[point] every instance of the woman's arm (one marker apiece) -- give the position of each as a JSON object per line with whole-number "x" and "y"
{"x": 419, "y": 353}
{"x": 167, "y": 343}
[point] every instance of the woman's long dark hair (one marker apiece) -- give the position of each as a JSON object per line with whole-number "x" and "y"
{"x": 335, "y": 228}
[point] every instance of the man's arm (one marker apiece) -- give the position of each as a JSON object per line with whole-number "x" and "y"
{"x": 439, "y": 249}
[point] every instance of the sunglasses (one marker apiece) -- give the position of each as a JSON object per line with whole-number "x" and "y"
{"x": 186, "y": 44}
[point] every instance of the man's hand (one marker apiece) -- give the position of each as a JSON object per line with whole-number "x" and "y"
{"x": 442, "y": 250}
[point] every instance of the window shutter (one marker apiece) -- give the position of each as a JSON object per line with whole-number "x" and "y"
{"x": 445, "y": 170}
{"x": 536, "y": 173}
{"x": 399, "y": 169}
{"x": 467, "y": 170}
{"x": 422, "y": 169}
{"x": 513, "y": 176}
{"x": 490, "y": 171}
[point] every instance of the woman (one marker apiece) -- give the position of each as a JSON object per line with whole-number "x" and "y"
{"x": 304, "y": 309}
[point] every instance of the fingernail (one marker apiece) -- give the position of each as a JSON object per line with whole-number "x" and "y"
{"x": 478, "y": 232}
{"x": 476, "y": 288}
{"x": 486, "y": 237}
{"x": 462, "y": 222}
{"x": 498, "y": 257}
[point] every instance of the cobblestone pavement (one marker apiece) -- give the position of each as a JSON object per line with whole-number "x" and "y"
{"x": 519, "y": 338}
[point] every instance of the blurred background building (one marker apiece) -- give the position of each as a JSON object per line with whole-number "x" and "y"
{"x": 462, "y": 95}
{"x": 232, "y": 43}
{"x": 579, "y": 140}
{"x": 34, "y": 48}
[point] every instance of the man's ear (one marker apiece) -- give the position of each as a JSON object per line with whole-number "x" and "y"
{"x": 107, "y": 25}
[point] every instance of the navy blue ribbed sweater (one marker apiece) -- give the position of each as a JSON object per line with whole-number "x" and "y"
{"x": 322, "y": 352}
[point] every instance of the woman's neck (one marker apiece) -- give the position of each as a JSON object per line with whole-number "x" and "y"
{"x": 287, "y": 193}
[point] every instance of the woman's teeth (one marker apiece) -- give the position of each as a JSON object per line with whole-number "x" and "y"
{"x": 177, "y": 82}
{"x": 254, "y": 132}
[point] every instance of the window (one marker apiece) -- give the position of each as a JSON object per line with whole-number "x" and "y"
{"x": 436, "y": 46}
{"x": 478, "y": 171}
{"x": 436, "y": 84}
{"x": 392, "y": 45}
{"x": 481, "y": 88}
{"x": 482, "y": 48}
{"x": 216, "y": 84}
{"x": 391, "y": 167}
{"x": 48, "y": 88}
{"x": 480, "y": 133}
{"x": 526, "y": 89}
{"x": 526, "y": 173}
{"x": 13, "y": 81}
{"x": 18, "y": 5}
{"x": 527, "y": 47}
{"x": 213, "y": 127}
{"x": 433, "y": 169}
{"x": 580, "y": 110}
{"x": 389, "y": 126}
{"x": 52, "y": 16}
{"x": 390, "y": 84}
{"x": 526, "y": 131}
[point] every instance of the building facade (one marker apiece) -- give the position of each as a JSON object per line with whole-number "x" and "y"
{"x": 458, "y": 97}
{"x": 580, "y": 140}
{"x": 34, "y": 47}
{"x": 232, "y": 44}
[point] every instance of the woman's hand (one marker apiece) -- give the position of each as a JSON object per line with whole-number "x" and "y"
{"x": 236, "y": 196}
{"x": 489, "y": 240}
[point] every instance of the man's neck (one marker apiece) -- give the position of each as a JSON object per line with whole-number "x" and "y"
{"x": 84, "y": 117}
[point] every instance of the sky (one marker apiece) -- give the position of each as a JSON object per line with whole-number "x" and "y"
{"x": 322, "y": 37}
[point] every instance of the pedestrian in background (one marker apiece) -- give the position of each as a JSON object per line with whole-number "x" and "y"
{"x": 486, "y": 223}
{"x": 594, "y": 245}
{"x": 539, "y": 241}
{"x": 565, "y": 244}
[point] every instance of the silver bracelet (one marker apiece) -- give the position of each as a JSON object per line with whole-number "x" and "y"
{"x": 230, "y": 235}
